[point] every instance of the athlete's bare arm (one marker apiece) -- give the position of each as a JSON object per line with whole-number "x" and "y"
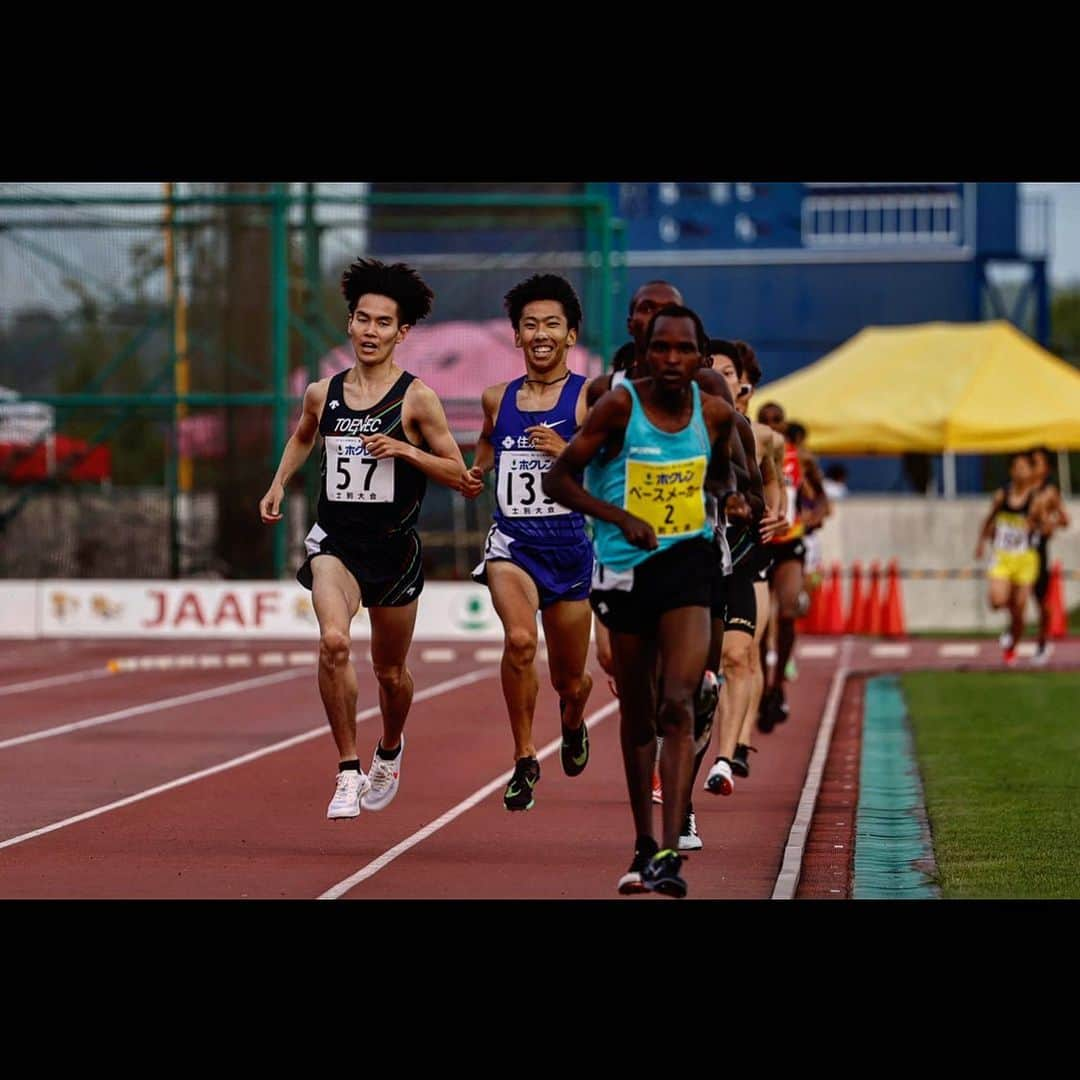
{"x": 597, "y": 389}
{"x": 484, "y": 461}
{"x": 604, "y": 427}
{"x": 987, "y": 530}
{"x": 296, "y": 450}
{"x": 1048, "y": 511}
{"x": 721, "y": 419}
{"x": 773, "y": 520}
{"x": 424, "y": 420}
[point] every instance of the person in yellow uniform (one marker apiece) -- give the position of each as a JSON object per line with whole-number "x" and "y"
{"x": 1015, "y": 568}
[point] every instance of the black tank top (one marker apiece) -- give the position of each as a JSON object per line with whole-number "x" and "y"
{"x": 361, "y": 498}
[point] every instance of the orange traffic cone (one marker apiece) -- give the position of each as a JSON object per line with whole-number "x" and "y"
{"x": 892, "y": 611}
{"x": 811, "y": 622}
{"x": 871, "y": 616}
{"x": 1055, "y": 601}
{"x": 855, "y": 611}
{"x": 834, "y": 615}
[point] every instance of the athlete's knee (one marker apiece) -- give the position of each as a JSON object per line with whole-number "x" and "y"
{"x": 521, "y": 645}
{"x": 572, "y": 687}
{"x": 391, "y": 677}
{"x": 676, "y": 710}
{"x": 334, "y": 648}
{"x": 738, "y": 656}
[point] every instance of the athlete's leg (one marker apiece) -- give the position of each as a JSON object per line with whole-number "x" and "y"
{"x": 335, "y": 596}
{"x": 391, "y": 636}
{"x": 683, "y": 646}
{"x": 634, "y": 660}
{"x": 603, "y": 649}
{"x": 789, "y": 583}
{"x": 1017, "y": 606}
{"x": 517, "y": 600}
{"x": 757, "y": 674}
{"x": 566, "y": 633}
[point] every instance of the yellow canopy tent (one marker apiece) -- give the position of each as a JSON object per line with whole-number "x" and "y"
{"x": 933, "y": 388}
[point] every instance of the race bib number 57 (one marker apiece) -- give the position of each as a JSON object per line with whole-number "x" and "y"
{"x": 353, "y": 477}
{"x": 669, "y": 496}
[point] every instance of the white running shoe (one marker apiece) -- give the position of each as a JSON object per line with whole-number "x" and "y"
{"x": 1041, "y": 657}
{"x": 1006, "y": 641}
{"x": 690, "y": 838}
{"x": 385, "y": 776}
{"x": 348, "y": 791}
{"x": 719, "y": 781}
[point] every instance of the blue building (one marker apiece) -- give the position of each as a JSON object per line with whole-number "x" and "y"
{"x": 794, "y": 268}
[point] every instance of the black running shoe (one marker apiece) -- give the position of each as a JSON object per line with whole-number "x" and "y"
{"x": 574, "y": 750}
{"x": 740, "y": 761}
{"x": 662, "y": 874}
{"x": 779, "y": 706}
{"x": 766, "y": 717}
{"x": 631, "y": 882}
{"x": 519, "y": 792}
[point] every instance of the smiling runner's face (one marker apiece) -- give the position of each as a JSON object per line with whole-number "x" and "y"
{"x": 544, "y": 336}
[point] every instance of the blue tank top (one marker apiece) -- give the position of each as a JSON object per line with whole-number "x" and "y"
{"x": 522, "y": 510}
{"x": 658, "y": 476}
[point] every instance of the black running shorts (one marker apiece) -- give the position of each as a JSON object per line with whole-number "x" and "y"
{"x": 741, "y": 603}
{"x": 390, "y": 572}
{"x": 634, "y": 600}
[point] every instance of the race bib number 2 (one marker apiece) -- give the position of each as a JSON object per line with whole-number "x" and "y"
{"x": 353, "y": 477}
{"x": 518, "y": 485}
{"x": 670, "y": 496}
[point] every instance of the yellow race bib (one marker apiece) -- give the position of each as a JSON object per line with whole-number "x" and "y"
{"x": 669, "y": 496}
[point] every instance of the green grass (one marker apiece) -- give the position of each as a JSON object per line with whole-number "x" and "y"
{"x": 1000, "y": 760}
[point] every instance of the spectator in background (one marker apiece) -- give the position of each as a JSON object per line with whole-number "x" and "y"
{"x": 1048, "y": 514}
{"x": 835, "y": 482}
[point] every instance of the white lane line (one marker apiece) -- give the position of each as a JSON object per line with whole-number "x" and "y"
{"x": 894, "y": 650}
{"x": 285, "y": 744}
{"x": 1026, "y": 648}
{"x": 54, "y": 680}
{"x": 210, "y": 660}
{"x": 242, "y": 659}
{"x": 271, "y": 659}
{"x": 302, "y": 657}
{"x": 438, "y": 656}
{"x": 151, "y": 706}
{"x": 817, "y": 651}
{"x": 788, "y": 879}
{"x": 960, "y": 648}
{"x": 487, "y": 656}
{"x": 388, "y": 857}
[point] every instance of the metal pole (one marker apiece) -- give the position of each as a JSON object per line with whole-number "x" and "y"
{"x": 1064, "y": 479}
{"x": 172, "y": 457}
{"x": 607, "y": 343}
{"x": 948, "y": 478}
{"x": 279, "y": 346}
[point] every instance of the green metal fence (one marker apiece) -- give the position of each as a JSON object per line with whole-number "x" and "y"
{"x": 178, "y": 328}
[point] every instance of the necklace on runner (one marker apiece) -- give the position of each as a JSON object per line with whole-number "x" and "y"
{"x": 550, "y": 382}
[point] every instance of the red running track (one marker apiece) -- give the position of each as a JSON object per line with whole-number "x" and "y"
{"x": 222, "y": 775}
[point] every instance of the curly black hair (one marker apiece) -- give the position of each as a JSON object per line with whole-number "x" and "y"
{"x": 399, "y": 282}
{"x": 543, "y": 287}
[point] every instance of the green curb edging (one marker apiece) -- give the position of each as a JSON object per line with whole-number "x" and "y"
{"x": 894, "y": 856}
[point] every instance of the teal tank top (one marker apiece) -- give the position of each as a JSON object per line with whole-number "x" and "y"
{"x": 658, "y": 476}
